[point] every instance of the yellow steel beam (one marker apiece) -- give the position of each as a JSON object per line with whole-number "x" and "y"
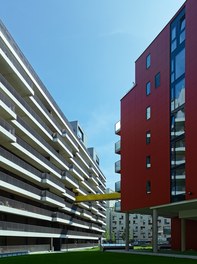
{"x": 97, "y": 197}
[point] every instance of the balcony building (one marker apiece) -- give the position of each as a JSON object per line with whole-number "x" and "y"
{"x": 44, "y": 165}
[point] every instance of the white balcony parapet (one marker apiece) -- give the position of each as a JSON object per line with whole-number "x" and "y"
{"x": 117, "y": 127}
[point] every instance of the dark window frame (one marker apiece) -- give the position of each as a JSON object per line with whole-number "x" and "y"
{"x": 148, "y": 88}
{"x": 148, "y": 138}
{"x": 148, "y": 186}
{"x": 148, "y": 161}
{"x": 148, "y": 61}
{"x": 157, "y": 80}
{"x": 148, "y": 116}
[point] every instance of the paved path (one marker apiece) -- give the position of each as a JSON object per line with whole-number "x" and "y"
{"x": 171, "y": 255}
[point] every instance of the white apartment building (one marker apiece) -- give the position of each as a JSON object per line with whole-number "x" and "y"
{"x": 44, "y": 165}
{"x": 140, "y": 226}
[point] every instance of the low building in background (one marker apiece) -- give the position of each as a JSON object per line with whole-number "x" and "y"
{"x": 44, "y": 164}
{"x": 140, "y": 227}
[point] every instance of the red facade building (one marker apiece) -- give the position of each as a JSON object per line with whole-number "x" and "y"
{"x": 158, "y": 130}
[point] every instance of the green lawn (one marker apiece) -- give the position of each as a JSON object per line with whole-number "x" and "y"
{"x": 93, "y": 257}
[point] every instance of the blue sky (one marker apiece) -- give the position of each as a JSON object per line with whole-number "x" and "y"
{"x": 84, "y": 51}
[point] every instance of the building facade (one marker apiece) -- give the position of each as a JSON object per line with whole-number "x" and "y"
{"x": 158, "y": 128}
{"x": 44, "y": 165}
{"x": 140, "y": 227}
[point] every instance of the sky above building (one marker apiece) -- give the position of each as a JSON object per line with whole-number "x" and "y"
{"x": 85, "y": 51}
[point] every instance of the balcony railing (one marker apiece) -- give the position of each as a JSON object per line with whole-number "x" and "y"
{"x": 18, "y": 183}
{"x": 68, "y": 178}
{"x": 47, "y": 112}
{"x": 56, "y": 215}
{"x": 24, "y": 103}
{"x": 39, "y": 138}
{"x": 7, "y": 126}
{"x": 47, "y": 194}
{"x": 4, "y": 201}
{"x": 117, "y": 147}
{"x": 117, "y": 166}
{"x": 78, "y": 233}
{"x": 73, "y": 169}
{"x": 37, "y": 154}
{"x": 15, "y": 63}
{"x": 117, "y": 186}
{"x": 46, "y": 176}
{"x": 32, "y": 72}
{"x": 70, "y": 192}
{"x": 57, "y": 137}
{"x": 117, "y": 128}
{"x": 11, "y": 226}
{"x": 73, "y": 207}
{"x": 11, "y": 157}
{"x": 6, "y": 101}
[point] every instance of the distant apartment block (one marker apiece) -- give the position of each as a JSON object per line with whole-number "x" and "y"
{"x": 44, "y": 165}
{"x": 140, "y": 226}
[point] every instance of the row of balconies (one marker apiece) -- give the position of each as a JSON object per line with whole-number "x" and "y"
{"x": 24, "y": 125}
{"x": 14, "y": 227}
{"x": 45, "y": 158}
{"x": 118, "y": 165}
{"x": 25, "y": 73}
{"x": 37, "y": 118}
{"x": 40, "y": 213}
{"x": 45, "y": 162}
{"x": 11, "y": 64}
{"x": 43, "y": 179}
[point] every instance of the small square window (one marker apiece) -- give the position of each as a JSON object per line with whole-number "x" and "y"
{"x": 148, "y": 164}
{"x": 157, "y": 80}
{"x": 148, "y": 137}
{"x": 148, "y": 88}
{"x": 148, "y": 61}
{"x": 148, "y": 112}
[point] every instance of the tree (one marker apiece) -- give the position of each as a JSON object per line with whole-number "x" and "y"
{"x": 113, "y": 237}
{"x": 106, "y": 235}
{"x": 123, "y": 236}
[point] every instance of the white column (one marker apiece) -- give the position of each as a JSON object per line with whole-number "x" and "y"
{"x": 155, "y": 231}
{"x": 127, "y": 231}
{"x": 183, "y": 233}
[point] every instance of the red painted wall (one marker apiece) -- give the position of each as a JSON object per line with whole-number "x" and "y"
{"x": 191, "y": 98}
{"x": 191, "y": 231}
{"x": 176, "y": 234}
{"x": 134, "y": 125}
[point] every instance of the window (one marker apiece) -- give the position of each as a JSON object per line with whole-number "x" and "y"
{"x": 172, "y": 70}
{"x": 148, "y": 164}
{"x": 157, "y": 80}
{"x": 148, "y": 187}
{"x": 80, "y": 134}
{"x": 173, "y": 33}
{"x": 148, "y": 112}
{"x": 180, "y": 64}
{"x": 173, "y": 45}
{"x": 148, "y": 61}
{"x": 148, "y": 136}
{"x": 97, "y": 160}
{"x": 148, "y": 88}
{"x": 180, "y": 93}
{"x": 182, "y": 29}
